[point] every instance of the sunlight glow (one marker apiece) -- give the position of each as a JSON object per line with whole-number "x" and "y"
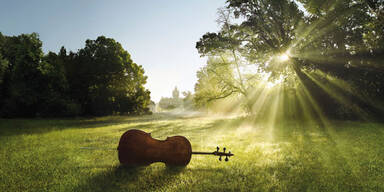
{"x": 265, "y": 75}
{"x": 271, "y": 84}
{"x": 284, "y": 57}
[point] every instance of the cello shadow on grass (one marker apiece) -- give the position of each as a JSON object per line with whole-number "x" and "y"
{"x": 136, "y": 178}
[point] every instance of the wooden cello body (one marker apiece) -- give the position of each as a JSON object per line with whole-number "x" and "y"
{"x": 139, "y": 148}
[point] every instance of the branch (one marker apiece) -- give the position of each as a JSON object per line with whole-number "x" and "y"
{"x": 221, "y": 97}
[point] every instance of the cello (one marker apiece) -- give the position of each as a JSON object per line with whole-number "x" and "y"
{"x": 137, "y": 147}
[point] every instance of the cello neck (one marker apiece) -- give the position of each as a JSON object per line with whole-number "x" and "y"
{"x": 202, "y": 153}
{"x": 216, "y": 153}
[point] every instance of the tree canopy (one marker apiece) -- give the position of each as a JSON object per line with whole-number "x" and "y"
{"x": 99, "y": 79}
{"x": 324, "y": 52}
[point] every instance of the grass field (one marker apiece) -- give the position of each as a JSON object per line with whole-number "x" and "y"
{"x": 45, "y": 155}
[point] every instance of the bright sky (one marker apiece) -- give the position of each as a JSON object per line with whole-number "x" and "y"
{"x": 159, "y": 35}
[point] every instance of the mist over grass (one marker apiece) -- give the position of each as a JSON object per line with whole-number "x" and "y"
{"x": 45, "y": 155}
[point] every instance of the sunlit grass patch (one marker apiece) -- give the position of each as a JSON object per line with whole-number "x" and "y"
{"x": 45, "y": 155}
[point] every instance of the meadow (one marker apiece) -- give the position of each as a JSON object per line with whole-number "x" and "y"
{"x": 49, "y": 155}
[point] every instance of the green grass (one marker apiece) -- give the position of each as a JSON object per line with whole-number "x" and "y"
{"x": 45, "y": 155}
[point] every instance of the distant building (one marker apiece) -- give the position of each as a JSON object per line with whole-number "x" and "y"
{"x": 152, "y": 106}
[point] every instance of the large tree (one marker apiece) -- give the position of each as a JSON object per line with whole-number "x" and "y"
{"x": 253, "y": 37}
{"x": 105, "y": 80}
{"x": 22, "y": 79}
{"x": 275, "y": 40}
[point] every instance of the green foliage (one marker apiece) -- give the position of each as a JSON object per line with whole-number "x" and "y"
{"x": 340, "y": 38}
{"x": 23, "y": 79}
{"x": 3, "y": 67}
{"x": 188, "y": 100}
{"x": 215, "y": 81}
{"x": 99, "y": 79}
{"x": 267, "y": 29}
{"x": 3, "y": 62}
{"x": 105, "y": 79}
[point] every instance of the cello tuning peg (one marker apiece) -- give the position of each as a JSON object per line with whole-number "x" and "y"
{"x": 224, "y": 149}
{"x": 226, "y": 158}
{"x": 220, "y": 158}
{"x": 217, "y": 148}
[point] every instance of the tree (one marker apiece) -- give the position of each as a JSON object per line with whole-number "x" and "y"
{"x": 188, "y": 100}
{"x": 105, "y": 80}
{"x": 3, "y": 67}
{"x": 215, "y": 81}
{"x": 23, "y": 78}
{"x": 56, "y": 98}
{"x": 267, "y": 31}
{"x": 254, "y": 45}
{"x": 347, "y": 43}
{"x": 3, "y": 61}
{"x": 99, "y": 79}
{"x": 275, "y": 40}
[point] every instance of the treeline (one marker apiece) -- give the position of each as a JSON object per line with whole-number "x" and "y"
{"x": 99, "y": 79}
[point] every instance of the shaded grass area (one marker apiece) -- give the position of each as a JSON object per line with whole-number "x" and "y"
{"x": 45, "y": 155}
